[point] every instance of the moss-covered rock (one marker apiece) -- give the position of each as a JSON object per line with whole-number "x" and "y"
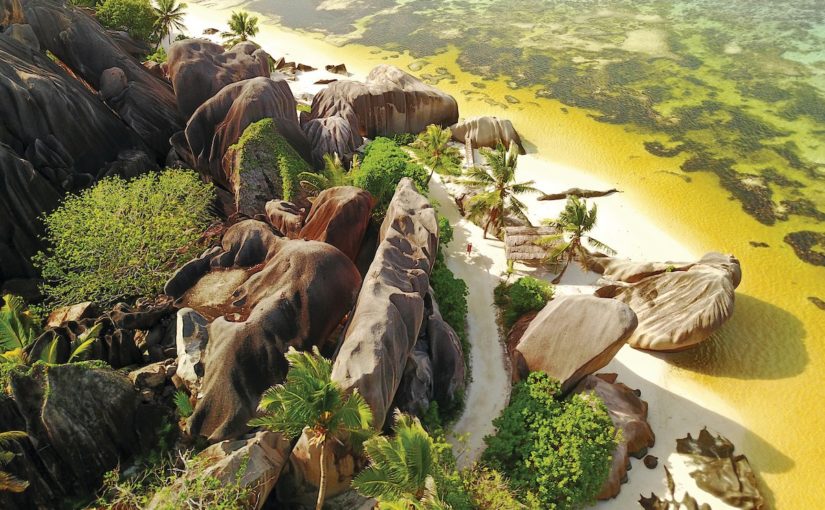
{"x": 263, "y": 166}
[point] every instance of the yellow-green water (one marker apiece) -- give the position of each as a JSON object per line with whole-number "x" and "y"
{"x": 768, "y": 361}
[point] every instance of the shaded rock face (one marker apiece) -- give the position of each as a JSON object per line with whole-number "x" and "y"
{"x": 384, "y": 327}
{"x": 11, "y": 12}
{"x": 266, "y": 294}
{"x": 435, "y": 370}
{"x": 81, "y": 422}
{"x": 339, "y": 216}
{"x": 678, "y": 305}
{"x": 330, "y": 135}
{"x": 199, "y": 69}
{"x": 669, "y": 501}
{"x": 147, "y": 104}
{"x": 629, "y": 414}
{"x": 573, "y": 336}
{"x": 717, "y": 470}
{"x": 486, "y": 132}
{"x": 219, "y": 123}
{"x": 253, "y": 463}
{"x": 390, "y": 102}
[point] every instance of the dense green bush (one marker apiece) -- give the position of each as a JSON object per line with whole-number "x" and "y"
{"x": 445, "y": 232}
{"x": 556, "y": 452}
{"x": 158, "y": 56}
{"x": 490, "y": 490}
{"x": 137, "y": 17}
{"x": 384, "y": 165}
{"x": 526, "y": 294}
{"x": 122, "y": 239}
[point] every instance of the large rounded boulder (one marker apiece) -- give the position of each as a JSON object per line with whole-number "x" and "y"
{"x": 264, "y": 294}
{"x": 678, "y": 305}
{"x": 339, "y": 216}
{"x": 573, "y": 336}
{"x": 486, "y": 132}
{"x": 199, "y": 69}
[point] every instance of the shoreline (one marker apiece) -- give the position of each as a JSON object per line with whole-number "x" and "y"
{"x": 622, "y": 225}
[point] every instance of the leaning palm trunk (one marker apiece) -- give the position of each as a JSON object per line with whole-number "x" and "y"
{"x": 322, "y": 489}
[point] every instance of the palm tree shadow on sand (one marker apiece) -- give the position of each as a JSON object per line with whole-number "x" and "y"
{"x": 760, "y": 341}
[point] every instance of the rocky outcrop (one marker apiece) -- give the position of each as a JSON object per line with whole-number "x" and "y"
{"x": 219, "y": 123}
{"x": 330, "y": 135}
{"x": 384, "y": 327}
{"x": 339, "y": 216}
{"x": 199, "y": 69}
{"x": 81, "y": 422}
{"x": 286, "y": 217}
{"x": 191, "y": 339}
{"x": 146, "y": 103}
{"x": 678, "y": 304}
{"x": 266, "y": 294}
{"x": 11, "y": 12}
{"x": 486, "y": 132}
{"x": 125, "y": 333}
{"x": 254, "y": 464}
{"x": 629, "y": 415}
{"x": 715, "y": 467}
{"x": 573, "y": 336}
{"x": 389, "y": 102}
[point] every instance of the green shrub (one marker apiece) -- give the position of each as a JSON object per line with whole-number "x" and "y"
{"x": 123, "y": 239}
{"x": 526, "y": 294}
{"x": 445, "y": 232}
{"x": 158, "y": 56}
{"x": 403, "y": 139}
{"x": 137, "y": 17}
{"x": 384, "y": 165}
{"x": 556, "y": 452}
{"x": 490, "y": 490}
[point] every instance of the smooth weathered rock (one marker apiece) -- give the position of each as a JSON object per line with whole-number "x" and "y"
{"x": 154, "y": 375}
{"x": 573, "y": 336}
{"x": 678, "y": 304}
{"x": 339, "y": 216}
{"x": 191, "y": 339}
{"x": 130, "y": 164}
{"x": 147, "y": 105}
{"x": 253, "y": 463}
{"x": 337, "y": 69}
{"x": 330, "y": 135}
{"x": 76, "y": 312}
{"x": 669, "y": 501}
{"x": 199, "y": 69}
{"x": 629, "y": 415}
{"x": 388, "y": 103}
{"x": 219, "y": 123}
{"x": 651, "y": 461}
{"x": 266, "y": 294}
{"x": 285, "y": 217}
{"x": 384, "y": 327}
{"x": 22, "y": 34}
{"x": 133, "y": 47}
{"x": 486, "y": 132}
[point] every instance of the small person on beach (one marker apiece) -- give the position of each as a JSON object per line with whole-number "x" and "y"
{"x": 469, "y": 248}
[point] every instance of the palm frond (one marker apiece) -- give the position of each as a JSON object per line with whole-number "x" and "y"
{"x": 10, "y": 483}
{"x": 11, "y": 436}
{"x": 595, "y": 243}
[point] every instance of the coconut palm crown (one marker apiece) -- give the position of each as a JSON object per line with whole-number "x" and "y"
{"x": 437, "y": 154}
{"x": 9, "y": 482}
{"x": 400, "y": 472}
{"x": 310, "y": 399}
{"x": 497, "y": 189}
{"x": 170, "y": 15}
{"x": 242, "y": 26}
{"x": 574, "y": 223}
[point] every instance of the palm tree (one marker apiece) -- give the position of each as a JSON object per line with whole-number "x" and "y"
{"x": 400, "y": 471}
{"x": 242, "y": 26}
{"x": 170, "y": 17}
{"x": 334, "y": 174}
{"x": 18, "y": 328}
{"x": 9, "y": 482}
{"x": 309, "y": 398}
{"x": 574, "y": 222}
{"x": 497, "y": 190}
{"x": 433, "y": 142}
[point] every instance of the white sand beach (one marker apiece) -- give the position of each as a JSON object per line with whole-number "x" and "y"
{"x": 677, "y": 407}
